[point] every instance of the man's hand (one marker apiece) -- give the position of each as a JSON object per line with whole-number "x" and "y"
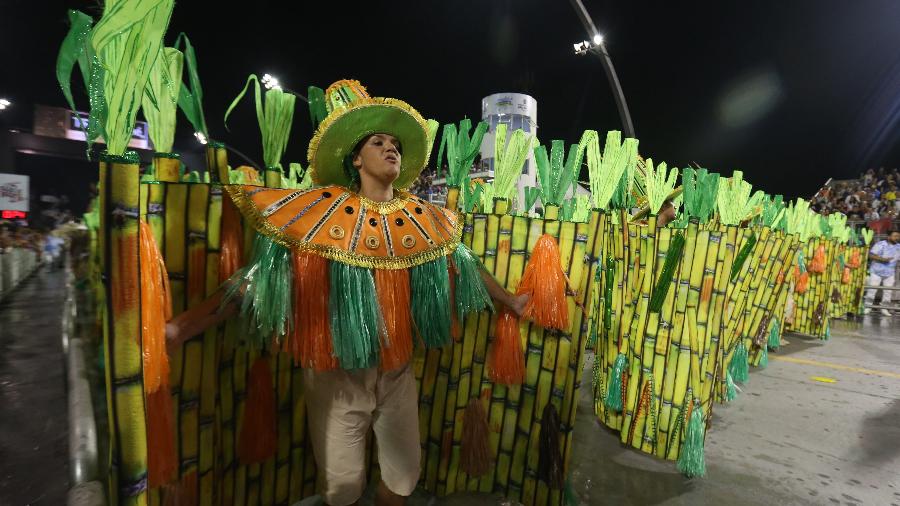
{"x": 517, "y": 303}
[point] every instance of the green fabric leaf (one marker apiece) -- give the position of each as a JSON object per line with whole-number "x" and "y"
{"x": 509, "y": 160}
{"x": 700, "y": 191}
{"x": 430, "y": 296}
{"x": 317, "y": 109}
{"x": 75, "y": 48}
{"x": 127, "y": 40}
{"x": 357, "y": 323}
{"x": 274, "y": 118}
{"x": 658, "y": 184}
{"x": 160, "y": 102}
{"x": 461, "y": 149}
{"x": 190, "y": 100}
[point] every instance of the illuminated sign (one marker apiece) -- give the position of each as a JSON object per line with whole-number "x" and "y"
{"x": 13, "y": 192}
{"x": 13, "y": 215}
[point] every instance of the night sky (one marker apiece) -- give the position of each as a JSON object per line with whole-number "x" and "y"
{"x": 790, "y": 92}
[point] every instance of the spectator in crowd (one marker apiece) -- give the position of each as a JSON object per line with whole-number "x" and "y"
{"x": 882, "y": 268}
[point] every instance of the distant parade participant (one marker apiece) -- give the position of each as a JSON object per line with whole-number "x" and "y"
{"x": 882, "y": 269}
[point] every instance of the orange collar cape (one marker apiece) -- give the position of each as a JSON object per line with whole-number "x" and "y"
{"x": 339, "y": 280}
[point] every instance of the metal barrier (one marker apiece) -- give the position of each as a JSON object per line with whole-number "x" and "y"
{"x": 87, "y": 489}
{"x": 873, "y": 306}
{"x": 16, "y": 264}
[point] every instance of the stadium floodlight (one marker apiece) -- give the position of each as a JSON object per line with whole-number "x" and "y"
{"x": 200, "y": 137}
{"x": 598, "y": 39}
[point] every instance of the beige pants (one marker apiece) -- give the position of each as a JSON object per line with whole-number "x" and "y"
{"x": 341, "y": 407}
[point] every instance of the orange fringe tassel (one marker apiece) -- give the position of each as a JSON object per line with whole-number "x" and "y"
{"x": 474, "y": 452}
{"x": 310, "y": 339}
{"x": 392, "y": 287}
{"x": 231, "y": 249}
{"x": 818, "y": 261}
{"x": 507, "y": 360}
{"x": 258, "y": 440}
{"x": 802, "y": 283}
{"x": 545, "y": 281}
{"x": 162, "y": 463}
{"x": 156, "y": 309}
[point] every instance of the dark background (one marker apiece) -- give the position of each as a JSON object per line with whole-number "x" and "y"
{"x": 790, "y": 92}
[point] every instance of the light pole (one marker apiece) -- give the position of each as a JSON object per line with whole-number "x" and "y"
{"x": 596, "y": 47}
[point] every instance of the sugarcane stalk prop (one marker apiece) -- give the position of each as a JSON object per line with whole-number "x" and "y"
{"x": 116, "y": 57}
{"x": 461, "y": 149}
{"x": 275, "y": 117}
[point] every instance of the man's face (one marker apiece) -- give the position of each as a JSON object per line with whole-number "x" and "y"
{"x": 379, "y": 158}
{"x": 894, "y": 238}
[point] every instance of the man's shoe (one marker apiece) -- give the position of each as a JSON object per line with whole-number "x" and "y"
{"x": 885, "y": 312}
{"x": 867, "y": 311}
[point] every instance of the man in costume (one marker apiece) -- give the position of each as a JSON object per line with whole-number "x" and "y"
{"x": 882, "y": 269}
{"x": 358, "y": 243}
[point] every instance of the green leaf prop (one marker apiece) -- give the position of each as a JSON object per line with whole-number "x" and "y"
{"x": 317, "y": 109}
{"x": 509, "y": 160}
{"x": 555, "y": 174}
{"x": 275, "y": 118}
{"x": 734, "y": 200}
{"x": 160, "y": 102}
{"x": 461, "y": 150}
{"x": 613, "y": 172}
{"x": 190, "y": 100}
{"x": 127, "y": 40}
{"x": 658, "y": 184}
{"x": 76, "y": 47}
{"x": 867, "y": 235}
{"x": 700, "y": 190}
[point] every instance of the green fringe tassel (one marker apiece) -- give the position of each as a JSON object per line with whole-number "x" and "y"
{"x": 569, "y": 496}
{"x": 613, "y": 399}
{"x": 774, "y": 339}
{"x": 471, "y": 294}
{"x": 739, "y": 367}
{"x": 730, "y": 388}
{"x": 692, "y": 460}
{"x": 764, "y": 359}
{"x": 356, "y": 320}
{"x": 266, "y": 298}
{"x": 430, "y": 293}
{"x": 673, "y": 256}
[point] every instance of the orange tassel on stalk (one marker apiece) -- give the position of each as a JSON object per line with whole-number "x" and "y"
{"x": 455, "y": 328}
{"x": 818, "y": 261}
{"x": 231, "y": 249}
{"x": 162, "y": 463}
{"x": 854, "y": 259}
{"x": 545, "y": 281}
{"x": 706, "y": 290}
{"x": 125, "y": 290}
{"x": 310, "y": 339}
{"x": 392, "y": 288}
{"x": 156, "y": 309}
{"x": 258, "y": 440}
{"x": 183, "y": 493}
{"x": 802, "y": 283}
{"x": 845, "y": 279}
{"x": 506, "y": 361}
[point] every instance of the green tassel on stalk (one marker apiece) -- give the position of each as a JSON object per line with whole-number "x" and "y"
{"x": 356, "y": 320}
{"x": 730, "y": 388}
{"x": 471, "y": 294}
{"x": 613, "y": 399}
{"x": 673, "y": 256}
{"x": 692, "y": 460}
{"x": 569, "y": 496}
{"x": 430, "y": 293}
{"x": 739, "y": 367}
{"x": 764, "y": 359}
{"x": 742, "y": 255}
{"x": 774, "y": 340}
{"x": 266, "y": 283}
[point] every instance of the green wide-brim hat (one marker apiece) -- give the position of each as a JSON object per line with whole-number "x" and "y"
{"x": 645, "y": 208}
{"x": 354, "y": 119}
